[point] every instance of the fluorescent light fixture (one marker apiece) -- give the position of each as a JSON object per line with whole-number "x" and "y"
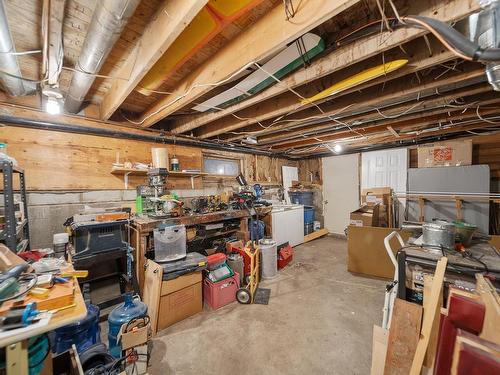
{"x": 52, "y": 106}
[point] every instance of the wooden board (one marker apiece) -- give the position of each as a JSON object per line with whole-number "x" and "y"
{"x": 430, "y": 356}
{"x": 316, "y": 234}
{"x": 489, "y": 296}
{"x": 60, "y": 295}
{"x": 429, "y": 317}
{"x": 379, "y": 350}
{"x": 403, "y": 337}
{"x": 151, "y": 294}
{"x": 63, "y": 161}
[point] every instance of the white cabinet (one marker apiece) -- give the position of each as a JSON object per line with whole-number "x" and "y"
{"x": 288, "y": 224}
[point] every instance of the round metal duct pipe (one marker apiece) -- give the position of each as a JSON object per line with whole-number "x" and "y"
{"x": 8, "y": 61}
{"x": 108, "y": 21}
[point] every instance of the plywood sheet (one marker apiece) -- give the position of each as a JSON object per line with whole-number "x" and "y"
{"x": 65, "y": 161}
{"x": 403, "y": 337}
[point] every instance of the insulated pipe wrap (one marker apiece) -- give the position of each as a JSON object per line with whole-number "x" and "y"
{"x": 108, "y": 21}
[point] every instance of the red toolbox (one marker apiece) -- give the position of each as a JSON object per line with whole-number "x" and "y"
{"x": 222, "y": 292}
{"x": 285, "y": 256}
{"x": 215, "y": 261}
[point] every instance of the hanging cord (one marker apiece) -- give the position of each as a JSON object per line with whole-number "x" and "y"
{"x": 289, "y": 9}
{"x": 301, "y": 47}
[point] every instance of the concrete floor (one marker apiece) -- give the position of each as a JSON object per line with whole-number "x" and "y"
{"x": 319, "y": 321}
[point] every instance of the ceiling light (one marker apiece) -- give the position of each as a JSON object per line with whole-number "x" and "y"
{"x": 52, "y": 106}
{"x": 337, "y": 148}
{"x": 250, "y": 140}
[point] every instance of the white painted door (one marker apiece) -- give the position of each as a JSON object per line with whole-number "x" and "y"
{"x": 386, "y": 168}
{"x": 289, "y": 174}
{"x": 340, "y": 190}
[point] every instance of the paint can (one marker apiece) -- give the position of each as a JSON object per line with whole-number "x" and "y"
{"x": 174, "y": 163}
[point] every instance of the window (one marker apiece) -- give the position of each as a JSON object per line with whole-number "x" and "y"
{"x": 224, "y": 167}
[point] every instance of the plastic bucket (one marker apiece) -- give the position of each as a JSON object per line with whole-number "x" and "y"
{"x": 308, "y": 214}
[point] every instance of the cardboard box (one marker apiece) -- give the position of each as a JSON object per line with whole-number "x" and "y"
{"x": 366, "y": 253}
{"x": 382, "y": 197}
{"x": 372, "y": 196}
{"x": 180, "y": 298}
{"x": 445, "y": 154}
{"x": 365, "y": 216}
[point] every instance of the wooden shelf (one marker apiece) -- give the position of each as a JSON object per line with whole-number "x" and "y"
{"x": 128, "y": 171}
{"x": 132, "y": 171}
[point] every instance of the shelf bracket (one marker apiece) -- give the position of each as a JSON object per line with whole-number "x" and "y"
{"x": 125, "y": 179}
{"x": 192, "y": 180}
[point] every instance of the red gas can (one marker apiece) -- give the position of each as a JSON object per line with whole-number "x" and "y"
{"x": 222, "y": 292}
{"x": 285, "y": 256}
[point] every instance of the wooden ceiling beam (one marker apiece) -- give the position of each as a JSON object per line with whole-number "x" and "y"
{"x": 427, "y": 104}
{"x": 289, "y": 103}
{"x": 389, "y": 138}
{"x": 268, "y": 35}
{"x": 446, "y": 11}
{"x": 170, "y": 20}
{"x": 395, "y": 91}
{"x": 410, "y": 122}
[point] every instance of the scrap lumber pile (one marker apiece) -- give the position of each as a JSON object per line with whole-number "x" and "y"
{"x": 461, "y": 338}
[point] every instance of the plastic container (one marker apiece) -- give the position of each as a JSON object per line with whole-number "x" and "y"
{"x": 464, "y": 232}
{"x": 60, "y": 240}
{"x": 222, "y": 292}
{"x": 308, "y": 228}
{"x": 308, "y": 214}
{"x": 83, "y": 333}
{"x": 170, "y": 243}
{"x": 132, "y": 308}
{"x": 257, "y": 228}
{"x": 316, "y": 225}
{"x": 159, "y": 156}
{"x": 269, "y": 258}
{"x": 305, "y": 198}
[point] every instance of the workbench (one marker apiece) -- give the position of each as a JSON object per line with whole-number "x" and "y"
{"x": 142, "y": 231}
{"x": 16, "y": 346}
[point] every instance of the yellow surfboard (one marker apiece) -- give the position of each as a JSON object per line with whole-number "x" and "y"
{"x": 357, "y": 79}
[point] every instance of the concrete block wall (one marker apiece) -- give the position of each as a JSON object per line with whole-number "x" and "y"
{"x": 47, "y": 211}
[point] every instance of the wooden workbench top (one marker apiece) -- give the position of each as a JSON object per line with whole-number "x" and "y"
{"x": 148, "y": 223}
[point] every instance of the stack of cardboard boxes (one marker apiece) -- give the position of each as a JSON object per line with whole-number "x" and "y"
{"x": 375, "y": 210}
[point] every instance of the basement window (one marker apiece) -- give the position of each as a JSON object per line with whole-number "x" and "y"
{"x": 223, "y": 167}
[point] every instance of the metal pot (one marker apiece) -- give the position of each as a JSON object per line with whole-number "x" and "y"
{"x": 439, "y": 233}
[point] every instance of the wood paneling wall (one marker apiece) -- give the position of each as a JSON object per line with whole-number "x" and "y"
{"x": 66, "y": 161}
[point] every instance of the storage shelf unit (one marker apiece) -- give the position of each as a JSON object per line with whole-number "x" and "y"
{"x": 15, "y": 235}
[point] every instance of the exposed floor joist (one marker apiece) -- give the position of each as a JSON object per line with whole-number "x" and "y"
{"x": 170, "y": 20}
{"x": 351, "y": 54}
{"x": 272, "y": 31}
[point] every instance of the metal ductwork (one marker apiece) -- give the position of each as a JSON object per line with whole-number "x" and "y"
{"x": 8, "y": 60}
{"x": 108, "y": 21}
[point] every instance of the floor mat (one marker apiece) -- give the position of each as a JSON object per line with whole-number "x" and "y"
{"x": 262, "y": 296}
